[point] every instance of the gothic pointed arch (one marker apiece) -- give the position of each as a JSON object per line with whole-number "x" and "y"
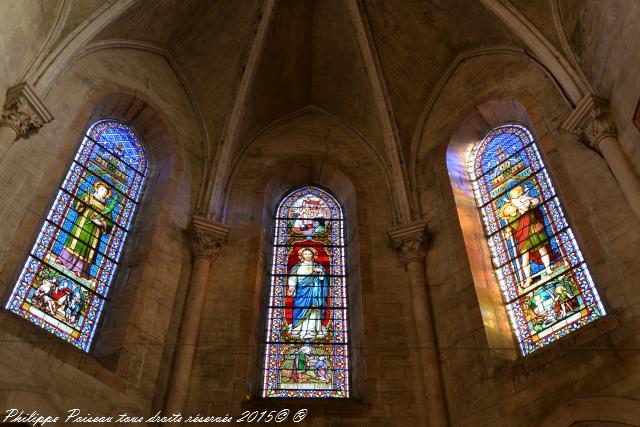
{"x": 545, "y": 283}
{"x": 532, "y": 281}
{"x": 306, "y": 351}
{"x": 64, "y": 284}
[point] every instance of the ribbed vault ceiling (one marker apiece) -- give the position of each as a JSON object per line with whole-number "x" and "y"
{"x": 311, "y": 56}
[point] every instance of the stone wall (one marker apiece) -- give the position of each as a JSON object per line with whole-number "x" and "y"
{"x": 491, "y": 384}
{"x": 24, "y": 29}
{"x": 604, "y": 38}
{"x": 590, "y": 376}
{"x": 128, "y": 360}
{"x": 227, "y": 370}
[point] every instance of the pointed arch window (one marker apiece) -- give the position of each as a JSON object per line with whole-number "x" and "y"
{"x": 545, "y": 282}
{"x": 306, "y": 352}
{"x": 65, "y": 280}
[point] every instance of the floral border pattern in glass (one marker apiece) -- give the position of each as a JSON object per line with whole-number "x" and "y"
{"x": 544, "y": 280}
{"x": 66, "y": 278}
{"x": 306, "y": 351}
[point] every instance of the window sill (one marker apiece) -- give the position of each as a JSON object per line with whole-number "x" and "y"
{"x": 576, "y": 341}
{"x": 28, "y": 335}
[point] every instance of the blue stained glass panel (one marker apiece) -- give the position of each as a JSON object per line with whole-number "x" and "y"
{"x": 306, "y": 351}
{"x": 65, "y": 280}
{"x": 544, "y": 280}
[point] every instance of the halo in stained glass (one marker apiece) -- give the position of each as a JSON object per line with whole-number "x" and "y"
{"x": 306, "y": 351}
{"x": 66, "y": 278}
{"x": 545, "y": 282}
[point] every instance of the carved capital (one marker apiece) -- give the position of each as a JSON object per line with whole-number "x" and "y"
{"x": 23, "y": 111}
{"x": 592, "y": 121}
{"x": 207, "y": 238}
{"x": 410, "y": 240}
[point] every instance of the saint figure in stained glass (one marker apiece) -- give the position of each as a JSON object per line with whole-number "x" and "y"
{"x": 93, "y": 220}
{"x": 527, "y": 232}
{"x": 308, "y": 285}
{"x": 66, "y": 277}
{"x": 306, "y": 351}
{"x": 544, "y": 280}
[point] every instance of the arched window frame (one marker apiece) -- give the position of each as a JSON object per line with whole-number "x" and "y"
{"x": 554, "y": 220}
{"x": 280, "y": 347}
{"x": 113, "y": 158}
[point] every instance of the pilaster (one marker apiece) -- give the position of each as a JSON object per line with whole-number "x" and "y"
{"x": 410, "y": 241}
{"x": 207, "y": 238}
{"x": 593, "y": 122}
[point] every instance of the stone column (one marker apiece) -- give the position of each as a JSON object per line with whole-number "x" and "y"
{"x": 592, "y": 121}
{"x": 410, "y": 240}
{"x": 207, "y": 238}
{"x": 23, "y": 114}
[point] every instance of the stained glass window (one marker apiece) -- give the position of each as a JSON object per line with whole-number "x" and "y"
{"x": 307, "y": 334}
{"x": 544, "y": 279}
{"x": 66, "y": 278}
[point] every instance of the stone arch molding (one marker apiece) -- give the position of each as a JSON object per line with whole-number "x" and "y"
{"x": 516, "y": 108}
{"x": 117, "y": 45}
{"x": 47, "y": 67}
{"x": 619, "y": 411}
{"x": 150, "y": 47}
{"x": 279, "y": 181}
{"x": 571, "y": 81}
{"x": 565, "y": 43}
{"x": 331, "y": 119}
{"x": 270, "y": 182}
{"x": 455, "y": 66}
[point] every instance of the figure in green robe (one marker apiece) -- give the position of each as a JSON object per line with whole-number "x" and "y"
{"x": 94, "y": 219}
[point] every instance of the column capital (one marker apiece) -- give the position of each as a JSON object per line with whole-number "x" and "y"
{"x": 410, "y": 241}
{"x": 24, "y": 111}
{"x": 207, "y": 237}
{"x": 592, "y": 121}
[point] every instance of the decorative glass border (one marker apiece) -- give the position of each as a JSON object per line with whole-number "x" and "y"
{"x": 66, "y": 278}
{"x": 545, "y": 283}
{"x": 306, "y": 352}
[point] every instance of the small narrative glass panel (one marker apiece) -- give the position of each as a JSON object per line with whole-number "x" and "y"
{"x": 306, "y": 353}
{"x": 544, "y": 280}
{"x": 66, "y": 278}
